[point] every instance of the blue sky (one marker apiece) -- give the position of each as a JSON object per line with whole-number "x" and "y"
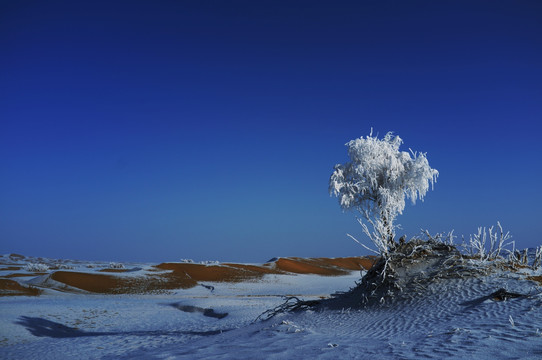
{"x": 153, "y": 131}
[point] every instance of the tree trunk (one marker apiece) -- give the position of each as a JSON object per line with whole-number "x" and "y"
{"x": 389, "y": 230}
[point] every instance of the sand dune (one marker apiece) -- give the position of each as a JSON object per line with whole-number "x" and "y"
{"x": 11, "y": 268}
{"x": 172, "y": 275}
{"x": 484, "y": 314}
{"x": 222, "y": 273}
{"x": 323, "y": 266}
{"x": 89, "y": 282}
{"x": 13, "y": 288}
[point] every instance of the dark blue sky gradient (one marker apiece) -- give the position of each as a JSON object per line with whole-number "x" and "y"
{"x": 158, "y": 130}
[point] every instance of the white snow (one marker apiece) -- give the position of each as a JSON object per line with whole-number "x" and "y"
{"x": 454, "y": 319}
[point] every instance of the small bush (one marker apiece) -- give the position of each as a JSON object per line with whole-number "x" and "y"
{"x": 36, "y": 267}
{"x": 61, "y": 267}
{"x": 489, "y": 245}
{"x": 210, "y": 262}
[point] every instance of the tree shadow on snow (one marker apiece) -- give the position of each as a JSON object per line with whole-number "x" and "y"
{"x": 47, "y": 328}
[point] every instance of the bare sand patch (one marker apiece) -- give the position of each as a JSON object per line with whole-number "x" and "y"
{"x": 11, "y": 268}
{"x": 265, "y": 269}
{"x": 13, "y": 288}
{"x": 537, "y": 278}
{"x": 22, "y": 275}
{"x": 108, "y": 284}
{"x": 323, "y": 266}
{"x": 351, "y": 263}
{"x": 307, "y": 266}
{"x": 231, "y": 272}
{"x": 90, "y": 282}
{"x": 219, "y": 273}
{"x": 114, "y": 270}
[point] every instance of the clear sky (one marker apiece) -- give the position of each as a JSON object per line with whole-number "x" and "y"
{"x": 161, "y": 130}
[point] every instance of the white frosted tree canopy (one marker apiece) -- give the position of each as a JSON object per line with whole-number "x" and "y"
{"x": 378, "y": 178}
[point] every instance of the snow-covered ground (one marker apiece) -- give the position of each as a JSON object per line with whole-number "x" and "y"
{"x": 453, "y": 319}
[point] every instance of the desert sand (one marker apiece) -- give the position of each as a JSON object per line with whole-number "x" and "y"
{"x": 161, "y": 277}
{"x": 66, "y": 309}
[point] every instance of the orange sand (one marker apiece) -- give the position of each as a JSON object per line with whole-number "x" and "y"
{"x": 22, "y": 275}
{"x": 11, "y": 268}
{"x": 222, "y": 273}
{"x": 230, "y": 272}
{"x": 255, "y": 268}
{"x": 352, "y": 263}
{"x": 107, "y": 284}
{"x": 87, "y": 281}
{"x": 13, "y": 288}
{"x": 323, "y": 266}
{"x": 537, "y": 278}
{"x": 308, "y": 266}
{"x": 113, "y": 270}
{"x": 186, "y": 275}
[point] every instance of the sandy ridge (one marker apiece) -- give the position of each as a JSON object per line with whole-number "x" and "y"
{"x": 169, "y": 275}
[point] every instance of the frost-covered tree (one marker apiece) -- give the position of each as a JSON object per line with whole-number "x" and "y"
{"x": 376, "y": 181}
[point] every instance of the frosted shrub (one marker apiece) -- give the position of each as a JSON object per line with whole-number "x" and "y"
{"x": 537, "y": 262}
{"x": 489, "y": 245}
{"x": 376, "y": 181}
{"x": 62, "y": 267}
{"x": 36, "y": 267}
{"x": 210, "y": 262}
{"x": 447, "y": 239}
